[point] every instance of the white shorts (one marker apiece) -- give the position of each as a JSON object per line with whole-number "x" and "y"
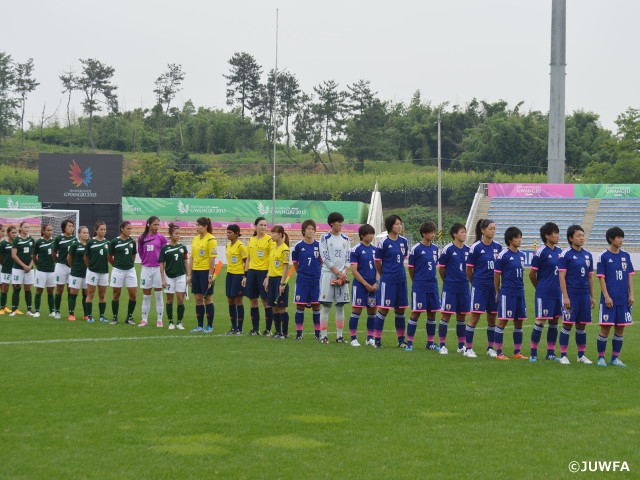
{"x": 45, "y": 279}
{"x": 101, "y": 279}
{"x": 79, "y": 283}
{"x": 62, "y": 273}
{"x": 18, "y": 277}
{"x": 176, "y": 285}
{"x": 6, "y": 278}
{"x": 150, "y": 277}
{"x": 332, "y": 293}
{"x": 123, "y": 277}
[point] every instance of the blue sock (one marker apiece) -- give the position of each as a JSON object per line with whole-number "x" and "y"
{"x": 564, "y": 341}
{"x": 284, "y": 318}
{"x": 442, "y": 332}
{"x": 379, "y": 326}
{"x": 490, "y": 336}
{"x": 299, "y": 317}
{"x": 268, "y": 316}
{"x": 277, "y": 320}
{"x": 552, "y": 337}
{"x": 498, "y": 338}
{"x": 371, "y": 325}
{"x": 255, "y": 318}
{"x": 353, "y": 324}
{"x": 316, "y": 322}
{"x": 431, "y": 330}
{"x": 411, "y": 331}
{"x": 469, "y": 332}
{"x": 233, "y": 316}
{"x": 616, "y": 346}
{"x": 209, "y": 310}
{"x": 601, "y": 344}
{"x": 461, "y": 328}
{"x": 581, "y": 342}
{"x": 200, "y": 315}
{"x": 400, "y": 327}
{"x": 517, "y": 339}
{"x": 536, "y": 334}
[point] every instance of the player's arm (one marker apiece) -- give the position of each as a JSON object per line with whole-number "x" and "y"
{"x": 469, "y": 271}
{"x": 212, "y": 267}
{"x": 592, "y": 298}
{"x": 497, "y": 277}
{"x": 187, "y": 267}
{"x": 378, "y": 263}
{"x": 605, "y": 293}
{"x": 357, "y": 276}
{"x": 562, "y": 275}
{"x": 86, "y": 256}
{"x": 54, "y": 255}
{"x": 631, "y": 299}
{"x": 412, "y": 272}
{"x": 441, "y": 272}
{"x": 533, "y": 276}
{"x": 34, "y": 258}
{"x": 69, "y": 259}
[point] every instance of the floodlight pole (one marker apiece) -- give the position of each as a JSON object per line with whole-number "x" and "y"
{"x": 439, "y": 179}
{"x": 274, "y": 126}
{"x": 556, "y": 150}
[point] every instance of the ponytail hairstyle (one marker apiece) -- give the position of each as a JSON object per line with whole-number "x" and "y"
{"x": 150, "y": 220}
{"x": 10, "y": 229}
{"x": 98, "y": 224}
{"x": 172, "y": 228}
{"x": 481, "y": 225}
{"x": 258, "y": 220}
{"x": 205, "y": 222}
{"x": 234, "y": 228}
{"x": 123, "y": 225}
{"x": 280, "y": 229}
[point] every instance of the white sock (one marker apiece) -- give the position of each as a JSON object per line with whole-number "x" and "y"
{"x": 159, "y": 304}
{"x": 324, "y": 320}
{"x": 339, "y": 320}
{"x": 146, "y": 305}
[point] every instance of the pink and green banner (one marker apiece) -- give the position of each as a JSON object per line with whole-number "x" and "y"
{"x": 531, "y": 190}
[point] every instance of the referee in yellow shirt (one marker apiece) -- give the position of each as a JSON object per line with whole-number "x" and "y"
{"x": 204, "y": 250}
{"x": 236, "y": 256}
{"x": 276, "y": 281}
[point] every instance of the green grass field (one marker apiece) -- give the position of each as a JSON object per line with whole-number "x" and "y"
{"x": 97, "y": 401}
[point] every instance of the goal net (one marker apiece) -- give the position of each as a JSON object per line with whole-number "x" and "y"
{"x": 36, "y": 218}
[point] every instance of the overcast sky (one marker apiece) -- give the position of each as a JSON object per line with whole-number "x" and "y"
{"x": 451, "y": 50}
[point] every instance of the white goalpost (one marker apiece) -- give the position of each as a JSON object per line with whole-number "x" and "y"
{"x": 36, "y": 217}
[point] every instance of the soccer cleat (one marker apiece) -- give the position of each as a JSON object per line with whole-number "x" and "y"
{"x": 519, "y": 356}
{"x": 355, "y": 343}
{"x": 17, "y": 312}
{"x": 371, "y": 342}
{"x": 31, "y": 314}
{"x": 197, "y": 329}
{"x": 266, "y": 333}
{"x": 602, "y": 362}
{"x": 171, "y": 326}
{"x": 254, "y": 333}
{"x": 143, "y": 323}
{"x": 56, "y": 315}
{"x": 564, "y": 361}
{"x": 340, "y": 340}
{"x": 616, "y": 362}
{"x": 36, "y": 315}
{"x": 402, "y": 344}
{"x": 129, "y": 321}
{"x": 501, "y": 356}
{"x": 378, "y": 345}
{"x": 90, "y": 319}
{"x": 324, "y": 340}
{"x": 533, "y": 359}
{"x": 470, "y": 353}
{"x": 208, "y": 329}
{"x": 113, "y": 322}
{"x": 72, "y": 318}
{"x": 231, "y": 332}
{"x": 461, "y": 349}
{"x": 53, "y": 314}
{"x": 179, "y": 326}
{"x": 584, "y": 360}
{"x": 13, "y": 314}
{"x": 408, "y": 349}
{"x": 238, "y": 332}
{"x": 103, "y": 319}
{"x": 275, "y": 335}
{"x": 552, "y": 356}
{"x": 298, "y": 337}
{"x": 491, "y": 353}
{"x": 443, "y": 350}
{"x": 159, "y": 324}
{"x": 7, "y": 310}
{"x": 433, "y": 346}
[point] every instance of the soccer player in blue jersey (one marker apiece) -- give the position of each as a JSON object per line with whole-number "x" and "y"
{"x": 365, "y": 278}
{"x": 615, "y": 273}
{"x": 455, "y": 287}
{"x": 575, "y": 267}
{"x": 392, "y": 292}
{"x": 548, "y": 297}
{"x": 509, "y": 283}
{"x": 334, "y": 252}
{"x": 480, "y": 271}
{"x": 425, "y": 297}
{"x": 306, "y": 260}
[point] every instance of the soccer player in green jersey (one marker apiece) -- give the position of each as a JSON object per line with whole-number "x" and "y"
{"x": 78, "y": 273}
{"x": 96, "y": 258}
{"x": 174, "y": 269}
{"x": 45, "y": 262}
{"x": 22, "y": 272}
{"x": 61, "y": 246}
{"x": 7, "y": 265}
{"x": 122, "y": 255}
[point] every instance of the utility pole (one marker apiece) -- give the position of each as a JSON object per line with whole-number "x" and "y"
{"x": 556, "y": 151}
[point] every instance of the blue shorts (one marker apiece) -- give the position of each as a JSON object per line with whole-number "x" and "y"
{"x": 200, "y": 283}
{"x": 255, "y": 284}
{"x": 618, "y": 315}
{"x": 512, "y": 307}
{"x": 234, "y": 285}
{"x": 392, "y": 295}
{"x": 548, "y": 308}
{"x": 360, "y": 296}
{"x": 424, "y": 301}
{"x": 306, "y": 292}
{"x": 483, "y": 299}
{"x": 455, "y": 302}
{"x": 274, "y": 299}
{"x": 580, "y": 309}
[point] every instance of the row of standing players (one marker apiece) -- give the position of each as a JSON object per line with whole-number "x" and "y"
{"x": 563, "y": 280}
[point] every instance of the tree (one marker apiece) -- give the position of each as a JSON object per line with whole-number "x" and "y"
{"x": 330, "y": 109}
{"x": 288, "y": 94}
{"x": 243, "y": 82}
{"x": 95, "y": 82}
{"x": 68, "y": 86}
{"x": 7, "y": 102}
{"x": 24, "y": 85}
{"x": 308, "y": 130}
{"x": 167, "y": 86}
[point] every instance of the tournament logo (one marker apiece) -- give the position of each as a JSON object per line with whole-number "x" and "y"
{"x": 78, "y": 177}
